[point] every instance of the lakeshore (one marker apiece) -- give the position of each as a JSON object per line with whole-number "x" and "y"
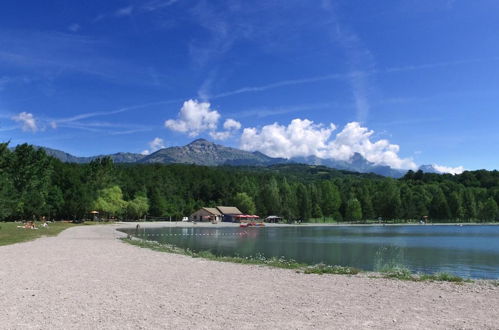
{"x": 86, "y": 277}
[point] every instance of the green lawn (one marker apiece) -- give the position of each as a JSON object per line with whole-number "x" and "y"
{"x": 10, "y": 234}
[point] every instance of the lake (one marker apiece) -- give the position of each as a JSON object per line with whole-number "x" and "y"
{"x": 467, "y": 251}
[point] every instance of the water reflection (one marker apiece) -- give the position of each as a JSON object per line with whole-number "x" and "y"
{"x": 469, "y": 251}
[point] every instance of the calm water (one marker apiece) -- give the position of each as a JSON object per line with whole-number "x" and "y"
{"x": 468, "y": 251}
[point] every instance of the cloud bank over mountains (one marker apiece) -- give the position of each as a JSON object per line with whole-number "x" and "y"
{"x": 299, "y": 138}
{"x": 446, "y": 169}
{"x": 303, "y": 137}
{"x": 197, "y": 117}
{"x": 154, "y": 145}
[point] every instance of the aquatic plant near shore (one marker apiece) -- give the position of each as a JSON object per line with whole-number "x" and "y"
{"x": 403, "y": 273}
{"x": 398, "y": 272}
{"x": 280, "y": 262}
{"x": 442, "y": 277}
{"x": 327, "y": 269}
{"x": 387, "y": 271}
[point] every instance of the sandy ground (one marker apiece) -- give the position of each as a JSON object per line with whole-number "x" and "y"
{"x": 86, "y": 278}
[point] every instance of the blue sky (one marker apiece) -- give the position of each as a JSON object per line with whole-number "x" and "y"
{"x": 404, "y": 82}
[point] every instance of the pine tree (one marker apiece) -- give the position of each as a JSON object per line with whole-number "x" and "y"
{"x": 455, "y": 202}
{"x": 489, "y": 210}
{"x": 469, "y": 204}
{"x": 303, "y": 202}
{"x": 271, "y": 198}
{"x": 439, "y": 209}
{"x": 353, "y": 210}
{"x": 331, "y": 199}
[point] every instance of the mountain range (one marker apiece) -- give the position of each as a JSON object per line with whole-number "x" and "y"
{"x": 203, "y": 152}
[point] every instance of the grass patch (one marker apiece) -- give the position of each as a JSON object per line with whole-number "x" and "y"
{"x": 397, "y": 272}
{"x": 326, "y": 269}
{"x": 10, "y": 234}
{"x": 405, "y": 274}
{"x": 446, "y": 277}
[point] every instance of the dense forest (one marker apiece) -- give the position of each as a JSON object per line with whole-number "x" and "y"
{"x": 33, "y": 184}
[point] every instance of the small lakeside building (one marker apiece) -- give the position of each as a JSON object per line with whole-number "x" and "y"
{"x": 221, "y": 213}
{"x": 211, "y": 214}
{"x": 273, "y": 219}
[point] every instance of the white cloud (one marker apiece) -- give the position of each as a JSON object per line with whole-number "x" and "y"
{"x": 303, "y": 137}
{"x": 28, "y": 121}
{"x": 355, "y": 138}
{"x": 154, "y": 145}
{"x": 157, "y": 144}
{"x": 194, "y": 118}
{"x": 231, "y": 124}
{"x": 299, "y": 138}
{"x": 446, "y": 169}
{"x": 220, "y": 135}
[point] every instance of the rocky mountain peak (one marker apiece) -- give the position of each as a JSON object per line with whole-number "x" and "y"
{"x": 201, "y": 142}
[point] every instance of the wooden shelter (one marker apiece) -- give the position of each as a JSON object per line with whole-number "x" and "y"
{"x": 206, "y": 214}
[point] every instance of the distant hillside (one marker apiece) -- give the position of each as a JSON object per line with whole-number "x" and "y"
{"x": 203, "y": 152}
{"x": 356, "y": 164}
{"x": 120, "y": 157}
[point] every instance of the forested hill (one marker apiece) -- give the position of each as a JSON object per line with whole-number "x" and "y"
{"x": 203, "y": 152}
{"x": 33, "y": 184}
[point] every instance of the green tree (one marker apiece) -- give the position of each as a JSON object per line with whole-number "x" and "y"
{"x": 317, "y": 211}
{"x": 270, "y": 195}
{"x": 331, "y": 199}
{"x": 110, "y": 201}
{"x": 353, "y": 210}
{"x": 469, "y": 203}
{"x": 159, "y": 204}
{"x": 489, "y": 210}
{"x": 245, "y": 203}
{"x": 365, "y": 199}
{"x": 30, "y": 170}
{"x": 138, "y": 207}
{"x": 101, "y": 173}
{"x": 7, "y": 199}
{"x": 288, "y": 201}
{"x": 55, "y": 202}
{"x": 408, "y": 203}
{"x": 439, "y": 209}
{"x": 388, "y": 203}
{"x": 455, "y": 202}
{"x": 422, "y": 199}
{"x": 303, "y": 202}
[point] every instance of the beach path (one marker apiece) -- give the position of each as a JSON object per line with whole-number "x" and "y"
{"x": 86, "y": 278}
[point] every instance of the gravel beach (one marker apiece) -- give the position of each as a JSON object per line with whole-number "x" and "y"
{"x": 86, "y": 278}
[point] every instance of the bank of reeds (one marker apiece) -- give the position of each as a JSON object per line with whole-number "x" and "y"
{"x": 405, "y": 274}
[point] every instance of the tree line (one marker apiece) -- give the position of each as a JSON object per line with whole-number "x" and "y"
{"x": 33, "y": 184}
